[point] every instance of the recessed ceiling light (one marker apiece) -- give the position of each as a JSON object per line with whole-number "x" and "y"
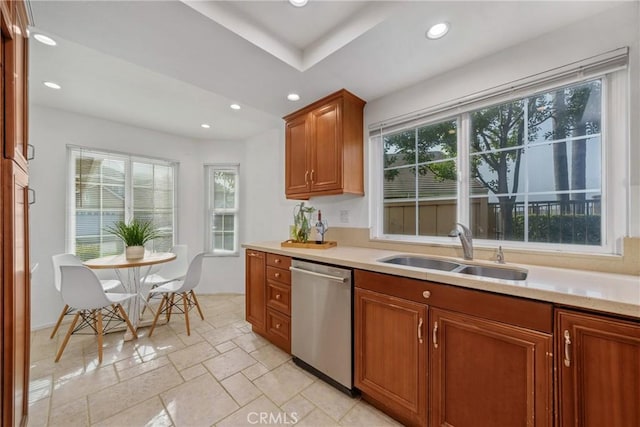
{"x": 298, "y": 3}
{"x": 234, "y": 106}
{"x": 437, "y": 31}
{"x": 45, "y": 39}
{"x": 52, "y": 85}
{"x": 205, "y": 125}
{"x": 293, "y": 97}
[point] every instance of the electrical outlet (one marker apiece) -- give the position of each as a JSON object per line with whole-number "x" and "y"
{"x": 344, "y": 217}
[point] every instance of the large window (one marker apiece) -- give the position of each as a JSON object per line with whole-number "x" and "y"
{"x": 222, "y": 209}
{"x": 527, "y": 169}
{"x": 108, "y": 187}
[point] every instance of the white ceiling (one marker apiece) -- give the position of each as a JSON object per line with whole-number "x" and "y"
{"x": 170, "y": 65}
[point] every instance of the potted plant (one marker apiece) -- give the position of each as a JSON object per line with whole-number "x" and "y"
{"x": 134, "y": 235}
{"x": 302, "y": 222}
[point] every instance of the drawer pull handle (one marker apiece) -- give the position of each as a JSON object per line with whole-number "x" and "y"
{"x": 567, "y": 343}
{"x": 426, "y": 294}
{"x": 277, "y": 261}
{"x": 277, "y": 325}
{"x": 435, "y": 334}
{"x": 278, "y": 296}
{"x": 420, "y": 331}
{"x": 277, "y": 275}
{"x": 252, "y": 254}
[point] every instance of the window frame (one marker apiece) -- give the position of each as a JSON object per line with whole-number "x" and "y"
{"x": 73, "y": 151}
{"x": 210, "y": 211}
{"x": 614, "y": 199}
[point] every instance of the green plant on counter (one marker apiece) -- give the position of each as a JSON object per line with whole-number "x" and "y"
{"x": 302, "y": 222}
{"x": 136, "y": 233}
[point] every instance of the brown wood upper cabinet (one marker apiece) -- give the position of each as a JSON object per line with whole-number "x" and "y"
{"x": 324, "y": 147}
{"x": 598, "y": 371}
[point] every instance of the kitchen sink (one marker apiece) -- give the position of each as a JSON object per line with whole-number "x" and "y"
{"x": 422, "y": 262}
{"x": 454, "y": 267}
{"x": 494, "y": 272}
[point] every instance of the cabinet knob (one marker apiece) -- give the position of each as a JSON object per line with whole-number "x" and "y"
{"x": 426, "y": 294}
{"x": 277, "y": 261}
{"x": 277, "y": 325}
{"x": 277, "y": 275}
{"x": 278, "y": 296}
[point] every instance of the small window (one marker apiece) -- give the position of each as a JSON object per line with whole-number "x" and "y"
{"x": 222, "y": 209}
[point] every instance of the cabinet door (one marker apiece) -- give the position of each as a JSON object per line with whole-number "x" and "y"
{"x": 391, "y": 354}
{"x": 598, "y": 371}
{"x": 14, "y": 51}
{"x": 326, "y": 152}
{"x": 297, "y": 156}
{"x": 15, "y": 294}
{"x": 485, "y": 373}
{"x": 255, "y": 297}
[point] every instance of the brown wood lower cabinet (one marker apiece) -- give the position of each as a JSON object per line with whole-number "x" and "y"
{"x": 255, "y": 290}
{"x": 391, "y": 354}
{"x": 268, "y": 296}
{"x": 467, "y": 359}
{"x": 598, "y": 371}
{"x": 486, "y": 373}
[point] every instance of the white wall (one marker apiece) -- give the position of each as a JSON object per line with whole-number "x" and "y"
{"x": 615, "y": 28}
{"x": 50, "y": 132}
{"x": 265, "y": 213}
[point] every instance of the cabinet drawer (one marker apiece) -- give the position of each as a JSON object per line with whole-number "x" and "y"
{"x": 279, "y": 261}
{"x": 279, "y": 329}
{"x": 279, "y": 275}
{"x": 279, "y": 297}
{"x": 526, "y": 313}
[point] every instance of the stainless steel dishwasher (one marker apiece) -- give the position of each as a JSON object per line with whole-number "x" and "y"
{"x": 321, "y": 322}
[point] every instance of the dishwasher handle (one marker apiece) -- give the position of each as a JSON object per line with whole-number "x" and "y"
{"x": 324, "y": 276}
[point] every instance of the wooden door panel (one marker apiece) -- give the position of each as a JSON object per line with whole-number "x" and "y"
{"x": 485, "y": 373}
{"x": 326, "y": 155}
{"x": 297, "y": 156}
{"x": 16, "y": 294}
{"x": 598, "y": 371}
{"x": 255, "y": 303}
{"x": 390, "y": 360}
{"x": 15, "y": 87}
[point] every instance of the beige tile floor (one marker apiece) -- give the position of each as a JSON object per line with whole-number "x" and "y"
{"x": 221, "y": 375}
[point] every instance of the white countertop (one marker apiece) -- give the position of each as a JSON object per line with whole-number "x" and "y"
{"x": 611, "y": 293}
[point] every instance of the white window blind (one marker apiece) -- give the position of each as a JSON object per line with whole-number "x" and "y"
{"x": 531, "y": 162}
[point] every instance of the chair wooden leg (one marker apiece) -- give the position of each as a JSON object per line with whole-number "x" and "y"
{"x": 66, "y": 337}
{"x": 126, "y": 319}
{"x": 185, "y": 303}
{"x": 155, "y": 319}
{"x": 193, "y": 294}
{"x": 99, "y": 331}
{"x": 55, "y": 328}
{"x": 170, "y": 302}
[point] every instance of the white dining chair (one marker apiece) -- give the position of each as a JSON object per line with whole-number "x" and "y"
{"x": 82, "y": 290}
{"x": 173, "y": 270}
{"x": 70, "y": 259}
{"x": 183, "y": 289}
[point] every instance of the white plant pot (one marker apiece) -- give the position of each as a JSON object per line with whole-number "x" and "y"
{"x": 134, "y": 252}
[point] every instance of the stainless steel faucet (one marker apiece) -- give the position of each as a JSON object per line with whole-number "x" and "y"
{"x": 465, "y": 238}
